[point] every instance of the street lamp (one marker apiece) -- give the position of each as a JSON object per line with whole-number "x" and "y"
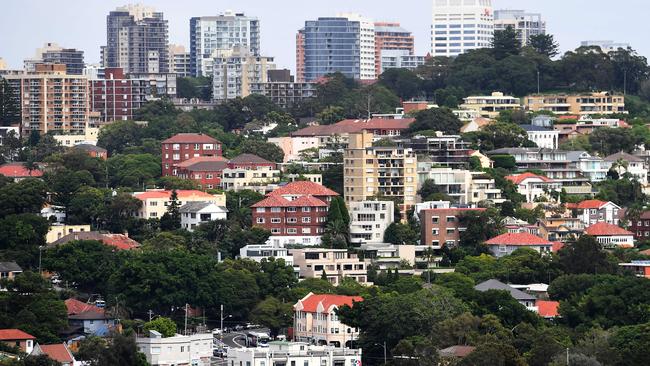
{"x": 40, "y": 254}
{"x": 222, "y": 318}
{"x": 383, "y": 345}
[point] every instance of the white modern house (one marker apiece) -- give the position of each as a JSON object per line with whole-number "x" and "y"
{"x": 257, "y": 252}
{"x": 534, "y": 186}
{"x": 543, "y": 137}
{"x": 611, "y": 236}
{"x": 463, "y": 186}
{"x": 626, "y": 163}
{"x": 369, "y": 220}
{"x": 294, "y": 354}
{"x": 592, "y": 167}
{"x": 191, "y": 350}
{"x": 194, "y": 214}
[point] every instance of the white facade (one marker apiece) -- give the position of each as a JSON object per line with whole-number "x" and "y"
{"x": 369, "y": 220}
{"x": 194, "y": 214}
{"x": 525, "y": 24}
{"x": 336, "y": 263}
{"x": 461, "y": 25}
{"x": 535, "y": 187}
{"x": 400, "y": 59}
{"x": 463, "y": 186}
{"x": 193, "y": 350}
{"x": 593, "y": 167}
{"x": 234, "y": 71}
{"x": 257, "y": 252}
{"x": 605, "y": 46}
{"x": 240, "y": 178}
{"x": 366, "y": 45}
{"x": 293, "y": 354}
{"x": 499, "y": 250}
{"x": 292, "y": 146}
{"x": 543, "y": 137}
{"x": 284, "y": 240}
{"x": 221, "y": 32}
{"x": 489, "y": 106}
{"x": 614, "y": 241}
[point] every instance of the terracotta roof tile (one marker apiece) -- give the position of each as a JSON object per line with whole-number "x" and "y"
{"x": 118, "y": 241}
{"x": 191, "y": 138}
{"x": 279, "y": 201}
{"x": 18, "y": 170}
{"x": 303, "y": 188}
{"x": 310, "y": 302}
{"x": 14, "y": 334}
{"x": 547, "y": 309}
{"x": 201, "y": 159}
{"x": 606, "y": 229}
{"x": 520, "y": 239}
{"x": 518, "y": 178}
{"x": 57, "y": 352}
{"x": 591, "y": 204}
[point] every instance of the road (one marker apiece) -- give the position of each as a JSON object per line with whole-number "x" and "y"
{"x": 234, "y": 340}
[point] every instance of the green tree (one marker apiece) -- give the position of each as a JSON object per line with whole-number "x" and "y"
{"x": 26, "y": 196}
{"x": 20, "y": 238}
{"x": 165, "y": 326}
{"x": 399, "y": 233}
{"x": 435, "y": 119}
{"x": 87, "y": 263}
{"x": 133, "y": 171}
{"x": 585, "y": 255}
{"x": 544, "y": 44}
{"x": 499, "y": 135}
{"x": 273, "y": 314}
{"x": 9, "y": 104}
{"x": 171, "y": 220}
{"x": 263, "y": 149}
{"x": 493, "y": 354}
{"x": 430, "y": 191}
{"x": 404, "y": 83}
{"x": 505, "y": 43}
{"x": 119, "y": 135}
{"x": 632, "y": 342}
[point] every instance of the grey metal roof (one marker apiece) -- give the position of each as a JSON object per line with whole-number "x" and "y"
{"x": 10, "y": 267}
{"x": 623, "y": 156}
{"x": 197, "y": 206}
{"x": 498, "y": 285}
{"x": 533, "y": 128}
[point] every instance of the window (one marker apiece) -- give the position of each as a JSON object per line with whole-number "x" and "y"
{"x": 260, "y": 209}
{"x": 306, "y": 209}
{"x": 306, "y": 220}
{"x": 276, "y": 209}
{"x": 292, "y": 231}
{"x": 451, "y": 218}
{"x": 260, "y": 220}
{"x": 275, "y": 220}
{"x": 292, "y": 220}
{"x": 435, "y": 219}
{"x": 156, "y": 350}
{"x": 291, "y": 209}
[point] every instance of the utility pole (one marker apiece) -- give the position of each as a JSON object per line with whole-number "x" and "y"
{"x": 150, "y": 314}
{"x": 538, "y": 88}
{"x": 40, "y": 254}
{"x": 384, "y": 353}
{"x": 221, "y": 317}
{"x": 185, "y": 319}
{"x": 567, "y": 356}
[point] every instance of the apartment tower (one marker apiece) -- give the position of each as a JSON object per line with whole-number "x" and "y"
{"x": 525, "y": 24}
{"x": 391, "y": 37}
{"x": 221, "y": 33}
{"x": 461, "y": 25}
{"x": 137, "y": 40}
{"x": 379, "y": 171}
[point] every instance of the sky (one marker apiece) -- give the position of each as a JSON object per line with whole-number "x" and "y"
{"x": 27, "y": 24}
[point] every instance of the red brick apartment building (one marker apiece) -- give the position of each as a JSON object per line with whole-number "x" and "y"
{"x": 295, "y": 213}
{"x": 185, "y": 146}
{"x": 441, "y": 226}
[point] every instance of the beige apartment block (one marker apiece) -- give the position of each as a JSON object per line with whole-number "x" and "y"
{"x": 489, "y": 106}
{"x": 336, "y": 263}
{"x": 50, "y": 99}
{"x": 155, "y": 202}
{"x": 379, "y": 171}
{"x": 56, "y": 232}
{"x": 579, "y": 105}
{"x": 241, "y": 178}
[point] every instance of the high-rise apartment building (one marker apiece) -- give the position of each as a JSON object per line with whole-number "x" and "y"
{"x": 367, "y": 49}
{"x": 235, "y": 70}
{"x": 331, "y": 45}
{"x": 371, "y": 171}
{"x": 525, "y": 24}
{"x": 300, "y": 56}
{"x": 52, "y": 53}
{"x": 179, "y": 60}
{"x": 221, "y": 33}
{"x": 461, "y": 25}
{"x": 391, "y": 37}
{"x": 136, "y": 40}
{"x": 605, "y": 46}
{"x": 50, "y": 99}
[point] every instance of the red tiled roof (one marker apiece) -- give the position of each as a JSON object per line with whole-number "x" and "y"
{"x": 58, "y": 352}
{"x": 14, "y": 334}
{"x": 311, "y": 301}
{"x": 201, "y": 159}
{"x": 547, "y": 309}
{"x": 518, "y": 178}
{"x": 355, "y": 125}
{"x": 279, "y": 201}
{"x": 571, "y": 206}
{"x": 167, "y": 194}
{"x": 591, "y": 204}
{"x": 521, "y": 239}
{"x": 606, "y": 229}
{"x": 118, "y": 241}
{"x": 557, "y": 245}
{"x": 18, "y": 170}
{"x": 303, "y": 188}
{"x": 568, "y": 117}
{"x": 191, "y": 138}
{"x": 75, "y": 306}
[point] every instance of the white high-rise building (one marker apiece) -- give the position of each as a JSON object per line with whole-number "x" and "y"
{"x": 235, "y": 70}
{"x": 366, "y": 44}
{"x": 220, "y": 33}
{"x": 525, "y": 24}
{"x": 461, "y": 25}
